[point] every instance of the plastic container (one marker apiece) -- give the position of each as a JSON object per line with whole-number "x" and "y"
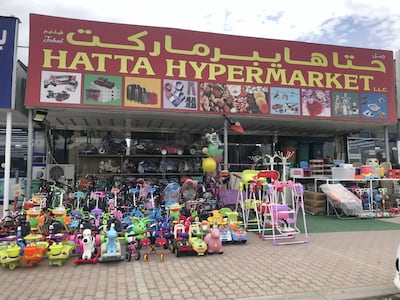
{"x": 343, "y": 173}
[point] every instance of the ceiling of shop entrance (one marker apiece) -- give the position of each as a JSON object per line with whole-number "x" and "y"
{"x": 71, "y": 119}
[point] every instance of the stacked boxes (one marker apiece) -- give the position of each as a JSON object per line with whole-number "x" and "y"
{"x": 314, "y": 203}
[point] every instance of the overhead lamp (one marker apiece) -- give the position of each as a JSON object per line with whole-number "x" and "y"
{"x": 39, "y": 116}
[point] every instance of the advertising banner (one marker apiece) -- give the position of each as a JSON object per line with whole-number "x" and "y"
{"x": 8, "y": 37}
{"x": 86, "y": 64}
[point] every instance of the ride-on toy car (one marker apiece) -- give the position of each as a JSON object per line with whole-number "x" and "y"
{"x": 111, "y": 248}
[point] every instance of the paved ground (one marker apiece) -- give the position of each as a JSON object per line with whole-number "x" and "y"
{"x": 353, "y": 265}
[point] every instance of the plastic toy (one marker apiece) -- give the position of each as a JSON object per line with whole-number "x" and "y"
{"x": 169, "y": 149}
{"x": 213, "y": 241}
{"x": 161, "y": 242}
{"x": 132, "y": 246}
{"x": 10, "y": 256}
{"x": 199, "y": 246}
{"x": 34, "y": 250}
{"x": 180, "y": 243}
{"x": 239, "y": 234}
{"x": 225, "y": 234}
{"x": 111, "y": 248}
{"x": 88, "y": 249}
{"x": 60, "y": 250}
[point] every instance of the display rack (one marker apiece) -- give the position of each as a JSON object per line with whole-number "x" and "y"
{"x": 370, "y": 184}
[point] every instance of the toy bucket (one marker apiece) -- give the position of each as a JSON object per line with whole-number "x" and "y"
{"x": 34, "y": 223}
{"x": 13, "y": 251}
{"x": 30, "y": 250}
{"x": 42, "y": 247}
{"x": 56, "y": 249}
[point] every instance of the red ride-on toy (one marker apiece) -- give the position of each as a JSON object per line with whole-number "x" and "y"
{"x": 89, "y": 247}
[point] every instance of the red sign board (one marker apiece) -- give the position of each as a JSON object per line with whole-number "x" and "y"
{"x": 86, "y": 64}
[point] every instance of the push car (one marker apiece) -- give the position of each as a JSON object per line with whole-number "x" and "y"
{"x": 169, "y": 149}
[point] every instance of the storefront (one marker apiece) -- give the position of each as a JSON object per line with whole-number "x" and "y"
{"x": 168, "y": 87}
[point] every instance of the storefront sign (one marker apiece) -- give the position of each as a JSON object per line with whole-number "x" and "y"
{"x": 8, "y": 31}
{"x": 86, "y": 64}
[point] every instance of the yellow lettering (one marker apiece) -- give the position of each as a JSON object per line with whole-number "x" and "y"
{"x": 81, "y": 58}
{"x": 366, "y": 81}
{"x": 351, "y": 82}
{"x": 181, "y": 67}
{"x": 315, "y": 79}
{"x": 143, "y": 64}
{"x": 101, "y": 61}
{"x": 297, "y": 76}
{"x": 235, "y": 70}
{"x": 332, "y": 81}
{"x": 216, "y": 70}
{"x": 198, "y": 69}
{"x": 277, "y": 76}
{"x": 48, "y": 58}
{"x": 123, "y": 65}
{"x": 253, "y": 74}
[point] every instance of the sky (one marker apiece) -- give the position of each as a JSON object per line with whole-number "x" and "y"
{"x": 373, "y": 24}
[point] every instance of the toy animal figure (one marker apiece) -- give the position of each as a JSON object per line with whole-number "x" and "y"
{"x": 213, "y": 241}
{"x": 88, "y": 244}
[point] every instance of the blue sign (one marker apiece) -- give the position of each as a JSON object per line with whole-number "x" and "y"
{"x": 8, "y": 31}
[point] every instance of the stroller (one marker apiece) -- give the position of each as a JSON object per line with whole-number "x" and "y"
{"x": 189, "y": 197}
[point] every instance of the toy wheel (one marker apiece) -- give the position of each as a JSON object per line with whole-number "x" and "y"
{"x": 50, "y": 263}
{"x": 60, "y": 263}
{"x": 12, "y": 266}
{"x": 146, "y": 257}
{"x": 177, "y": 253}
{"x": 244, "y": 241}
{"x": 166, "y": 246}
{"x": 162, "y": 257}
{"x": 128, "y": 256}
{"x": 29, "y": 263}
{"x": 137, "y": 255}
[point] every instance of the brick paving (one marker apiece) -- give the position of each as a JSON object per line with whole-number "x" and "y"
{"x": 351, "y": 265}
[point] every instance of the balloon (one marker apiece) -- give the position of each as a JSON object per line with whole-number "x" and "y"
{"x": 209, "y": 165}
{"x": 214, "y": 151}
{"x": 218, "y": 158}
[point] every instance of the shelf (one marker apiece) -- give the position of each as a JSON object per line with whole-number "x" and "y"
{"x": 128, "y": 165}
{"x": 141, "y": 155}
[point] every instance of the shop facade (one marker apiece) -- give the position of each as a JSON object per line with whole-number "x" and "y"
{"x": 153, "y": 88}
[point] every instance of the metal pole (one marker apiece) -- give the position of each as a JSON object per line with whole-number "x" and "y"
{"x": 387, "y": 153}
{"x": 226, "y": 167}
{"x": 6, "y": 196}
{"x": 29, "y": 158}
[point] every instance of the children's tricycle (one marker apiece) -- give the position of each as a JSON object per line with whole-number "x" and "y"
{"x": 111, "y": 248}
{"x": 60, "y": 250}
{"x": 10, "y": 256}
{"x": 34, "y": 249}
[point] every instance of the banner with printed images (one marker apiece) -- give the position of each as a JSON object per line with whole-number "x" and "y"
{"x": 84, "y": 64}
